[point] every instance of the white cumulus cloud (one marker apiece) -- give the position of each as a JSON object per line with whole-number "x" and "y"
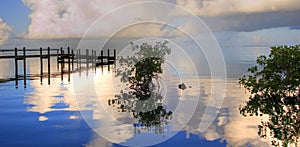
{"x": 225, "y": 7}
{"x": 65, "y": 18}
{"x": 70, "y": 19}
{"x": 5, "y": 32}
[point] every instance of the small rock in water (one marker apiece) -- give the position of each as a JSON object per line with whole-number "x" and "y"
{"x": 182, "y": 86}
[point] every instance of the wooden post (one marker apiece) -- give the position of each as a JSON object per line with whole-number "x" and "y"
{"x": 108, "y": 56}
{"x": 114, "y": 54}
{"x": 87, "y": 62}
{"x": 61, "y": 53}
{"x": 24, "y": 66}
{"x": 41, "y": 65}
{"x": 79, "y": 62}
{"x": 72, "y": 59}
{"x": 57, "y": 56}
{"x": 79, "y": 56}
{"x": 101, "y": 57}
{"x": 62, "y": 65}
{"x": 87, "y": 59}
{"x": 76, "y": 59}
{"x": 57, "y": 53}
{"x": 41, "y": 61}
{"x": 61, "y": 56}
{"x": 69, "y": 61}
{"x": 92, "y": 58}
{"x": 95, "y": 60}
{"x": 49, "y": 66}
{"x": 69, "y": 64}
{"x": 16, "y": 66}
{"x": 63, "y": 60}
{"x": 101, "y": 61}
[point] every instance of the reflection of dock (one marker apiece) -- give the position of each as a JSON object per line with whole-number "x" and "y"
{"x": 65, "y": 58}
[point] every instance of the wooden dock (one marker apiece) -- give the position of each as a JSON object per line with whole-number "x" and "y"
{"x": 63, "y": 57}
{"x": 106, "y": 60}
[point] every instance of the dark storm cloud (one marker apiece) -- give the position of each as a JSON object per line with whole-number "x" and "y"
{"x": 254, "y": 21}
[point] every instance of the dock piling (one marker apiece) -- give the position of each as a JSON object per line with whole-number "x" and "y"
{"x": 16, "y": 66}
{"x": 69, "y": 65}
{"x": 48, "y": 65}
{"x": 24, "y": 65}
{"x": 101, "y": 60}
{"x": 41, "y": 61}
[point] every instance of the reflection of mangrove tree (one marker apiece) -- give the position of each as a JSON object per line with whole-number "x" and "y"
{"x": 273, "y": 85}
{"x": 141, "y": 73}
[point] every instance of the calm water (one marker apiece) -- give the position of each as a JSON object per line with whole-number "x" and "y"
{"x": 48, "y": 115}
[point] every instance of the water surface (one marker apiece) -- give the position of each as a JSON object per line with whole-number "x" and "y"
{"x": 48, "y": 115}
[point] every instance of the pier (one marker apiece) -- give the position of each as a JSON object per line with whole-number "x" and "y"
{"x": 65, "y": 57}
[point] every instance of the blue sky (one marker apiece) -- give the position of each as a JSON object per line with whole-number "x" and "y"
{"x": 258, "y": 20}
{"x": 15, "y": 14}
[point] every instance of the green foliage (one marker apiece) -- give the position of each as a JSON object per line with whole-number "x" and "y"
{"x": 147, "y": 68}
{"x": 273, "y": 85}
{"x": 138, "y": 72}
{"x": 146, "y": 62}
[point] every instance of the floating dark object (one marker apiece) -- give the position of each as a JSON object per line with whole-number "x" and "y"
{"x": 182, "y": 86}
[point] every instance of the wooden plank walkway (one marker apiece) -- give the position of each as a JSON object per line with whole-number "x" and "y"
{"x": 62, "y": 58}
